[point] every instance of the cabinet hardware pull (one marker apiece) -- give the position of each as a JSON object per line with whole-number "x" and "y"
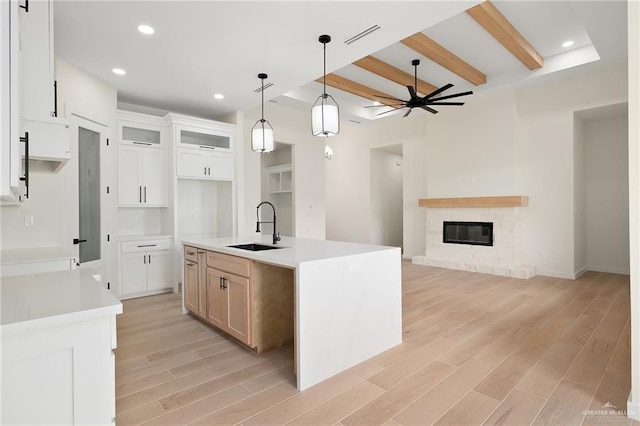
{"x": 55, "y": 98}
{"x": 221, "y": 283}
{"x": 191, "y": 264}
{"x": 147, "y": 245}
{"x": 205, "y": 171}
{"x": 144, "y": 259}
{"x": 141, "y": 143}
{"x": 140, "y": 191}
{"x": 188, "y": 252}
{"x": 199, "y": 252}
{"x": 25, "y": 139}
{"x": 145, "y": 193}
{"x": 149, "y": 259}
{"x": 224, "y": 283}
{"x": 207, "y": 147}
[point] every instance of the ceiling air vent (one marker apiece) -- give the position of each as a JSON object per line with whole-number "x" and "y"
{"x": 266, "y": 86}
{"x": 362, "y": 34}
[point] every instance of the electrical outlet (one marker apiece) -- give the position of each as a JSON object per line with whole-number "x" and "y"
{"x": 28, "y": 221}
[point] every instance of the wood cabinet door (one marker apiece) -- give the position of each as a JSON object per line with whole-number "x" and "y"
{"x": 202, "y": 284}
{"x": 217, "y": 300}
{"x": 191, "y": 293}
{"x": 238, "y": 308}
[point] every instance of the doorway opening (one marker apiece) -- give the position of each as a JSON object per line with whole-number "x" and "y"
{"x": 386, "y": 196}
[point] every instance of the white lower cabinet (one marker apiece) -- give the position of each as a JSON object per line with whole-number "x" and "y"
{"x": 145, "y": 267}
{"x": 200, "y": 163}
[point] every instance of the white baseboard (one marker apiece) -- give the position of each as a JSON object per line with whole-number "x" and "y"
{"x": 633, "y": 409}
{"x": 609, "y": 270}
{"x": 580, "y": 272}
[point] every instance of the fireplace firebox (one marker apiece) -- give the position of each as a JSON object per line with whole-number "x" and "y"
{"x": 474, "y": 233}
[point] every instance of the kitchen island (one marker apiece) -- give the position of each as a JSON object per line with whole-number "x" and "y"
{"x": 347, "y": 297}
{"x": 58, "y": 333}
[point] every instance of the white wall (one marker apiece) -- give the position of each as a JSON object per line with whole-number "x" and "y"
{"x": 291, "y": 127}
{"x": 633, "y": 20}
{"x": 607, "y": 195}
{"x": 49, "y": 198}
{"x": 514, "y": 141}
{"x": 579, "y": 197}
{"x": 349, "y": 182}
{"x": 386, "y": 198}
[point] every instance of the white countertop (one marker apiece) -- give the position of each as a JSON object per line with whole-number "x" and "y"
{"x": 294, "y": 251}
{"x": 36, "y": 254}
{"x": 51, "y": 299}
{"x": 146, "y": 237}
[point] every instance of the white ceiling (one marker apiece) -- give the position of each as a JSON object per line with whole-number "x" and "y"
{"x": 206, "y": 47}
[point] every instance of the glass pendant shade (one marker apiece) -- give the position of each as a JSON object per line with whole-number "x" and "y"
{"x": 262, "y": 137}
{"x": 325, "y": 117}
{"x": 325, "y": 114}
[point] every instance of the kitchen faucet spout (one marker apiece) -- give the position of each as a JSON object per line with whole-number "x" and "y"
{"x": 276, "y": 234}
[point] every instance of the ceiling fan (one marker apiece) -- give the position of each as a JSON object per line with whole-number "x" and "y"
{"x": 416, "y": 101}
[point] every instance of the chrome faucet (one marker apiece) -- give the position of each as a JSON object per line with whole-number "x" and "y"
{"x": 276, "y": 235}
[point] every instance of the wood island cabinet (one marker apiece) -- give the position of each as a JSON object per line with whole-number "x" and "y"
{"x": 248, "y": 300}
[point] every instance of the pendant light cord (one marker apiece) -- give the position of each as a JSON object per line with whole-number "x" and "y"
{"x": 324, "y": 70}
{"x": 262, "y": 93}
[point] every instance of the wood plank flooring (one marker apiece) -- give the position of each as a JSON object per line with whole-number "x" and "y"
{"x": 477, "y": 349}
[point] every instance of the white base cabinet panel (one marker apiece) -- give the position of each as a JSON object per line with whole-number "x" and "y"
{"x": 145, "y": 267}
{"x": 60, "y": 375}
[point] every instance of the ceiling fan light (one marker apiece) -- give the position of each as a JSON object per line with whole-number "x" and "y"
{"x": 262, "y": 137}
{"x": 325, "y": 117}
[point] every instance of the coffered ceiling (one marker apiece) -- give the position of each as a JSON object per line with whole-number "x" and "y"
{"x": 206, "y": 47}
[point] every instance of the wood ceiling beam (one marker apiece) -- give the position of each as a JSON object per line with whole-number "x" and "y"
{"x": 385, "y": 70}
{"x": 441, "y": 56}
{"x": 357, "y": 89}
{"x": 495, "y": 23}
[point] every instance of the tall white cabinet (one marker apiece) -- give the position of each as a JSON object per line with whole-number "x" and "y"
{"x": 175, "y": 179}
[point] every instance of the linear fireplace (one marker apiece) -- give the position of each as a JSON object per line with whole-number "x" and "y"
{"x": 473, "y": 233}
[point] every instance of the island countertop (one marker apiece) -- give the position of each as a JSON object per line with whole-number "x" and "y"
{"x": 290, "y": 252}
{"x": 38, "y": 301}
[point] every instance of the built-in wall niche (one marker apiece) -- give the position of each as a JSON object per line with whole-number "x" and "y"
{"x": 143, "y": 221}
{"x": 277, "y": 178}
{"x": 204, "y": 208}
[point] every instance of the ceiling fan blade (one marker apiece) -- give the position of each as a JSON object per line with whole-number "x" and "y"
{"x": 446, "y": 103}
{"x": 391, "y": 110}
{"x": 431, "y": 110}
{"x": 412, "y": 92}
{"x": 384, "y": 105}
{"x": 386, "y": 97}
{"x": 407, "y": 113}
{"x": 438, "y": 91}
{"x": 455, "y": 95}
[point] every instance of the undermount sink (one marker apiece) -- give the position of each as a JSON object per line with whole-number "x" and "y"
{"x": 254, "y": 247}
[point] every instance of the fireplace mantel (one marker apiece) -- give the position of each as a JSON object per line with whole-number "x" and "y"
{"x": 499, "y": 201}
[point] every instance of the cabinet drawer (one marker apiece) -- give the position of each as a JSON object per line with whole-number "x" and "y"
{"x": 231, "y": 264}
{"x": 146, "y": 246}
{"x": 191, "y": 253}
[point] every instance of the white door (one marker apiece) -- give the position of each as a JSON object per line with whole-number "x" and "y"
{"x": 85, "y": 171}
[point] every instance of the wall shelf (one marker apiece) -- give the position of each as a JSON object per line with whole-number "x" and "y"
{"x": 500, "y": 201}
{"x": 280, "y": 179}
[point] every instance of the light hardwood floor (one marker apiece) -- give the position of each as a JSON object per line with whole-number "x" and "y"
{"x": 478, "y": 349}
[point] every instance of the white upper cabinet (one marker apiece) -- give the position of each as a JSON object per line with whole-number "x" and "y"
{"x": 36, "y": 29}
{"x": 142, "y": 161}
{"x": 10, "y": 168}
{"x": 204, "y": 148}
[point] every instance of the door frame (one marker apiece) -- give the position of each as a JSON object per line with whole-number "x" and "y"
{"x": 77, "y": 120}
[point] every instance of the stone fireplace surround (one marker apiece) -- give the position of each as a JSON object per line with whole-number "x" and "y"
{"x": 503, "y": 258}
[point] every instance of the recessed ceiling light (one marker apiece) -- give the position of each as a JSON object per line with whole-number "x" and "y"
{"x": 146, "y": 29}
{"x": 218, "y": 96}
{"x": 567, "y": 43}
{"x": 376, "y": 103}
{"x": 119, "y": 71}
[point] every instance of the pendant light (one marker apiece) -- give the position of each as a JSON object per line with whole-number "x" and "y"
{"x": 325, "y": 114}
{"x": 262, "y": 137}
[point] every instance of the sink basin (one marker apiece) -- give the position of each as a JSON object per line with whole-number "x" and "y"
{"x": 254, "y": 247}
